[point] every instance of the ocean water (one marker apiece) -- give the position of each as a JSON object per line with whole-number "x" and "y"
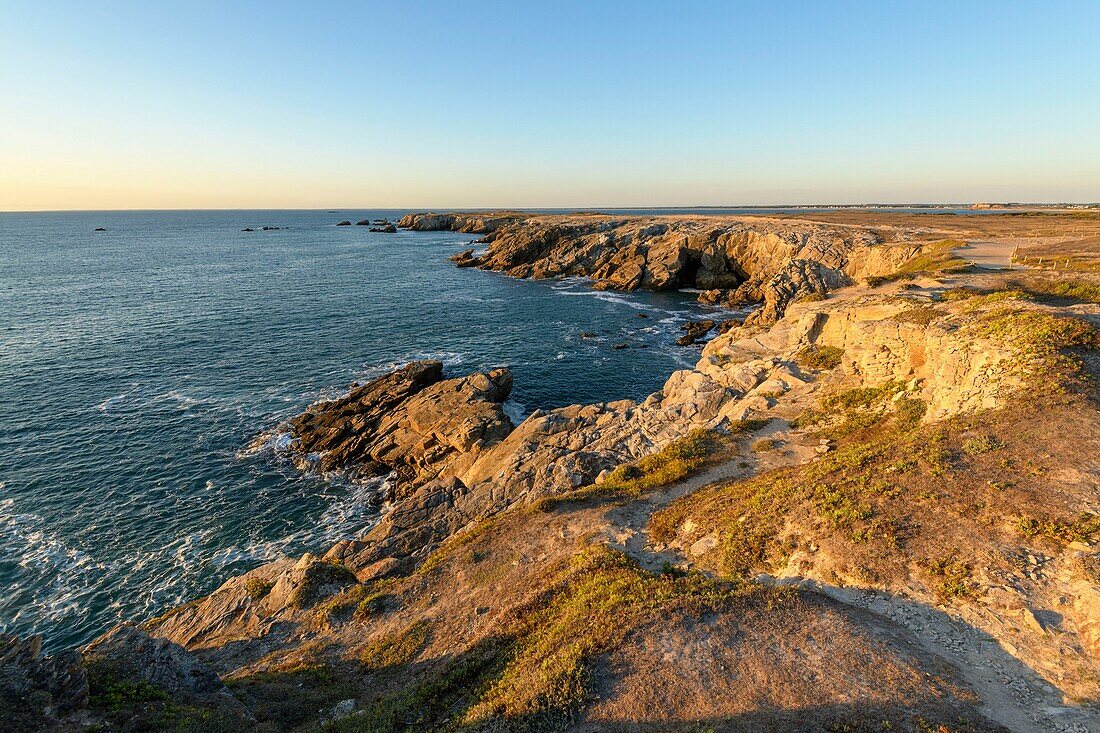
{"x": 137, "y": 364}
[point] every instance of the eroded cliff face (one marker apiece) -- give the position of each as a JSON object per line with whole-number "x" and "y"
{"x": 736, "y": 261}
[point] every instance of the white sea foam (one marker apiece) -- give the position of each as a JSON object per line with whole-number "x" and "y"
{"x": 110, "y": 402}
{"x": 515, "y": 411}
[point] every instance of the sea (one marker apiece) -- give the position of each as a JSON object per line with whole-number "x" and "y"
{"x": 137, "y": 364}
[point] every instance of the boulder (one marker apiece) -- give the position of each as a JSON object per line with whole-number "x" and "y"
{"x": 362, "y": 223}
{"x": 126, "y": 654}
{"x": 385, "y": 229}
{"x": 344, "y": 223}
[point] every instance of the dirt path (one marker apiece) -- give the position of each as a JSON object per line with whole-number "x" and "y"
{"x": 1011, "y": 693}
{"x": 988, "y": 255}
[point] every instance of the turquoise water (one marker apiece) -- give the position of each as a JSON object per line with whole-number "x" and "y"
{"x": 136, "y": 365}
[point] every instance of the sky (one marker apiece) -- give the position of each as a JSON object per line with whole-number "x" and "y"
{"x": 152, "y": 105}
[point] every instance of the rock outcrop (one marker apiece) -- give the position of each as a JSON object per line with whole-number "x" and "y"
{"x": 737, "y": 261}
{"x": 410, "y": 423}
{"x": 37, "y": 692}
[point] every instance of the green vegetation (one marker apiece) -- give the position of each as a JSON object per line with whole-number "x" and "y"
{"x": 1060, "y": 531}
{"x": 980, "y": 298}
{"x": 845, "y": 491}
{"x": 457, "y": 541}
{"x": 936, "y": 258}
{"x": 952, "y": 578}
{"x": 675, "y": 462}
{"x": 258, "y": 588}
{"x": 921, "y": 315}
{"x": 112, "y": 690}
{"x": 1078, "y": 291}
{"x": 537, "y": 671}
{"x": 819, "y": 357}
{"x": 291, "y": 694}
{"x": 764, "y": 445}
{"x": 980, "y": 444}
{"x": 130, "y": 703}
{"x": 1040, "y": 341}
{"x": 318, "y": 576}
{"x": 397, "y": 650}
{"x": 601, "y": 597}
{"x": 853, "y": 410}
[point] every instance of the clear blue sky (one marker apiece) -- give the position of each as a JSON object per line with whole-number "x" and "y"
{"x": 449, "y": 104}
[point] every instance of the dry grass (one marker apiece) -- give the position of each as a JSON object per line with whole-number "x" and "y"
{"x": 673, "y": 463}
{"x": 896, "y": 491}
{"x": 936, "y": 258}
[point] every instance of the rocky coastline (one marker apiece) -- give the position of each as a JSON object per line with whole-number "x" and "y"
{"x": 832, "y": 318}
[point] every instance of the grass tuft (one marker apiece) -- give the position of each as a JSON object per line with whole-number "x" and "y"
{"x": 819, "y": 357}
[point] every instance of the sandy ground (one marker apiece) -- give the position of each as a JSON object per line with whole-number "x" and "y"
{"x": 988, "y": 255}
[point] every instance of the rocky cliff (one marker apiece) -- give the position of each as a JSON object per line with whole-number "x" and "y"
{"x": 736, "y": 261}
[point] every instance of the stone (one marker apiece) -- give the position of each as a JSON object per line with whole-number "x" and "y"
{"x": 37, "y": 691}
{"x": 344, "y": 223}
{"x": 128, "y": 653}
{"x": 465, "y": 259}
{"x": 411, "y": 422}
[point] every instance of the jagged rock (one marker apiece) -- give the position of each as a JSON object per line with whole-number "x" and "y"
{"x": 385, "y": 229}
{"x": 465, "y": 258}
{"x": 248, "y": 229}
{"x": 128, "y": 653}
{"x": 694, "y": 330}
{"x": 411, "y": 422}
{"x": 735, "y": 261}
{"x": 37, "y": 691}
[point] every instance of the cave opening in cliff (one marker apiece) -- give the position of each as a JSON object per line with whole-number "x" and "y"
{"x": 689, "y": 271}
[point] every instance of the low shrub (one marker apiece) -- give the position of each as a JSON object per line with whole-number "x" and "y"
{"x": 258, "y": 588}
{"x": 819, "y": 357}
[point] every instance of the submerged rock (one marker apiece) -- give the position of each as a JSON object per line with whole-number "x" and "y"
{"x": 344, "y": 223}
{"x": 694, "y": 330}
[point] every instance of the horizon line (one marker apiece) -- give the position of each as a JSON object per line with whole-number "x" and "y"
{"x": 596, "y": 209}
